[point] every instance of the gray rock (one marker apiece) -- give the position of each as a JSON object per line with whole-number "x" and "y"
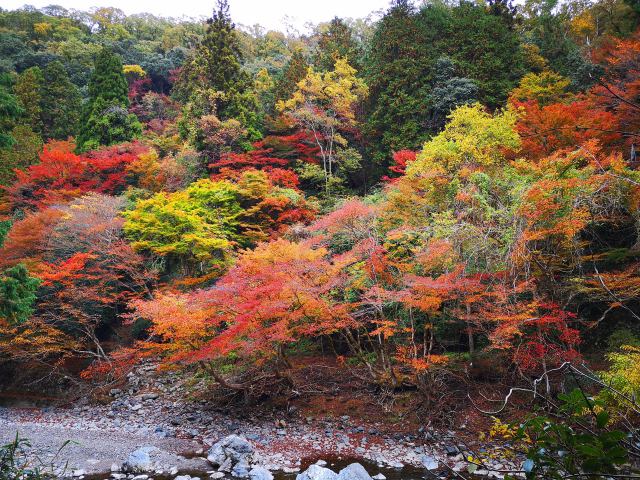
{"x": 240, "y": 469}
{"x": 379, "y": 476}
{"x": 231, "y": 448}
{"x": 429, "y": 462}
{"x": 226, "y": 466}
{"x": 316, "y": 472}
{"x": 451, "y": 450}
{"x": 355, "y": 471}
{"x": 139, "y": 460}
{"x": 260, "y": 473}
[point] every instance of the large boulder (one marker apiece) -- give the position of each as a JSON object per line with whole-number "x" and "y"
{"x": 232, "y": 454}
{"x": 355, "y": 471}
{"x": 316, "y": 472}
{"x": 139, "y": 460}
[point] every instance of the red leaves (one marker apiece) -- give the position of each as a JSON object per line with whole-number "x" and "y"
{"x": 609, "y": 112}
{"x": 275, "y": 155}
{"x": 619, "y": 89}
{"x": 62, "y": 175}
{"x": 354, "y": 216}
{"x": 275, "y": 295}
{"x": 546, "y": 129}
{"x": 537, "y": 333}
{"x": 66, "y": 271}
{"x": 400, "y": 160}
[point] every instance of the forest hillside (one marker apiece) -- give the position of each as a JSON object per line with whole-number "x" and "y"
{"x": 427, "y": 219}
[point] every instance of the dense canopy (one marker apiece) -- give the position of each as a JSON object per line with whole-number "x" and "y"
{"x": 448, "y": 190}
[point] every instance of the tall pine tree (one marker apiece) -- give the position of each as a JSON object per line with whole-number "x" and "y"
{"x": 212, "y": 81}
{"x": 398, "y": 73}
{"x": 28, "y": 89}
{"x": 217, "y": 61}
{"x": 60, "y": 103}
{"x": 105, "y": 118}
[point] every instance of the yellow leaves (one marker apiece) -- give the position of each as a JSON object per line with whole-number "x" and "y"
{"x": 42, "y": 29}
{"x": 278, "y": 251}
{"x": 533, "y": 56}
{"x": 133, "y": 71}
{"x": 148, "y": 170}
{"x": 583, "y": 25}
{"x": 263, "y": 81}
{"x": 471, "y": 138}
{"x": 545, "y": 87}
{"x": 338, "y": 90}
{"x": 505, "y": 431}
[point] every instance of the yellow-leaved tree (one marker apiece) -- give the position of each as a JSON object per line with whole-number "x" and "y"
{"x": 324, "y": 104}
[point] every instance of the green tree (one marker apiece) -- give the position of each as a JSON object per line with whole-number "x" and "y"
{"x": 398, "y": 73}
{"x": 60, "y": 103}
{"x": 294, "y": 71}
{"x": 487, "y": 50}
{"x": 335, "y": 42}
{"x": 10, "y": 111}
{"x": 5, "y": 226}
{"x": 402, "y": 68}
{"x": 212, "y": 81}
{"x": 28, "y": 89}
{"x": 105, "y": 118}
{"x": 24, "y": 152}
{"x": 449, "y": 91}
{"x": 196, "y": 228}
{"x": 216, "y": 62}
{"x": 17, "y": 294}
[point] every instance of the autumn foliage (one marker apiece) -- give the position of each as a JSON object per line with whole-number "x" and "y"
{"x": 243, "y": 230}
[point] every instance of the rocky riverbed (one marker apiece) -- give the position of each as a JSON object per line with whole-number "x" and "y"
{"x": 152, "y": 413}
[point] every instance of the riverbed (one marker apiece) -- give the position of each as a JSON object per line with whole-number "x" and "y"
{"x": 159, "y": 411}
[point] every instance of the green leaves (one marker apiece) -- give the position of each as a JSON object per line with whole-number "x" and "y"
{"x": 10, "y": 110}
{"x": 197, "y": 224}
{"x": 17, "y": 294}
{"x": 580, "y": 442}
{"x": 105, "y": 119}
